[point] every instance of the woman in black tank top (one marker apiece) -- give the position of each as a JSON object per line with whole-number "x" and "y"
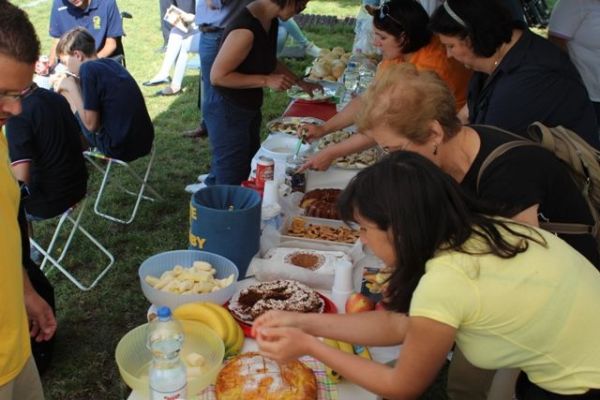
{"x": 246, "y": 63}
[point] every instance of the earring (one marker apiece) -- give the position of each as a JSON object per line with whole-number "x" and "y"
{"x": 435, "y": 148}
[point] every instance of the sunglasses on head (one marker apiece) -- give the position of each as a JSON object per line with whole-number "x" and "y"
{"x": 385, "y": 12}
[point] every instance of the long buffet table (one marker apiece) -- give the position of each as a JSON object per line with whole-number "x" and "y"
{"x": 334, "y": 178}
{"x": 346, "y": 390}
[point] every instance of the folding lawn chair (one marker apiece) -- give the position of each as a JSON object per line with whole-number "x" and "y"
{"x": 73, "y": 215}
{"x": 97, "y": 159}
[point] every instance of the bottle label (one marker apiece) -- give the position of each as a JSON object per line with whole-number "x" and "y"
{"x": 179, "y": 394}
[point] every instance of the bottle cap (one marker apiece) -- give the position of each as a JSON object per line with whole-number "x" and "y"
{"x": 163, "y": 312}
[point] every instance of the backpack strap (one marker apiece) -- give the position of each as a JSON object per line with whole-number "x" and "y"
{"x": 570, "y": 229}
{"x": 498, "y": 152}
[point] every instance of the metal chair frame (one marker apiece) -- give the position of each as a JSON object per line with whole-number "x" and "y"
{"x": 92, "y": 157}
{"x": 73, "y": 215}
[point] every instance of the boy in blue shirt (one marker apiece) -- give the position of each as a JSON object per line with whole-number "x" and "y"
{"x": 105, "y": 99}
{"x": 101, "y": 18}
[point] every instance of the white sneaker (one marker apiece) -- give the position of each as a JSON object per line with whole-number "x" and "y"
{"x": 194, "y": 187}
{"x": 202, "y": 177}
{"x": 312, "y": 50}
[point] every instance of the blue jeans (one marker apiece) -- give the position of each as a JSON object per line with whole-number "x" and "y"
{"x": 208, "y": 49}
{"x": 291, "y": 28}
{"x": 234, "y": 134}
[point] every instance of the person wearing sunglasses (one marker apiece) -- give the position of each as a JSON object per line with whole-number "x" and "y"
{"x": 400, "y": 29}
{"x": 23, "y": 313}
{"x": 508, "y": 294}
{"x": 520, "y": 77}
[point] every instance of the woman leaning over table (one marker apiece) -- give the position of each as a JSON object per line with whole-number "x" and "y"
{"x": 246, "y": 63}
{"x": 400, "y": 31}
{"x": 519, "y": 78}
{"x": 414, "y": 110}
{"x": 508, "y": 294}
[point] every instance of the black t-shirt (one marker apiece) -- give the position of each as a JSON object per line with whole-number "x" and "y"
{"x": 261, "y": 60}
{"x": 47, "y": 135}
{"x": 528, "y": 175}
{"x": 126, "y": 129}
{"x": 535, "y": 81}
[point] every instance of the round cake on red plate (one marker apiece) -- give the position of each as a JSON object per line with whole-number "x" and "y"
{"x": 251, "y": 376}
{"x": 253, "y": 301}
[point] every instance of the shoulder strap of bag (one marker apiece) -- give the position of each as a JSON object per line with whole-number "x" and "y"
{"x": 518, "y": 141}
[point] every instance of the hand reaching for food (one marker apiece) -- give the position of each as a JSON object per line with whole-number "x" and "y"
{"x": 320, "y": 161}
{"x": 310, "y": 132}
{"x": 279, "y": 82}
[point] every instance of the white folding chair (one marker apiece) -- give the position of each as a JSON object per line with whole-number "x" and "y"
{"x": 96, "y": 159}
{"x": 73, "y": 215}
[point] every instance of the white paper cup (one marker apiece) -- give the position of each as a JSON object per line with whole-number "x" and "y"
{"x": 270, "y": 193}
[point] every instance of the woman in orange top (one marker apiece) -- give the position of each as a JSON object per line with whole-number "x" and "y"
{"x": 400, "y": 29}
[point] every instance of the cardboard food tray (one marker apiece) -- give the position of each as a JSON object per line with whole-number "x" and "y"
{"x": 312, "y": 220}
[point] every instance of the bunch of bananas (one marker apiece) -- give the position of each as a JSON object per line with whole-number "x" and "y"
{"x": 358, "y": 350}
{"x": 219, "y": 319}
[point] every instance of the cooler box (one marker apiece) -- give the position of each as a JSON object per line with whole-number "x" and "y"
{"x": 226, "y": 220}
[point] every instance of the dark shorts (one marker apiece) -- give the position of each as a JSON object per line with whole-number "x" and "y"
{"x": 93, "y": 138}
{"x": 526, "y": 390}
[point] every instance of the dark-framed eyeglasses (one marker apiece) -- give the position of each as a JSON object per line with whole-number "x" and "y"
{"x": 384, "y": 11}
{"x": 17, "y": 96}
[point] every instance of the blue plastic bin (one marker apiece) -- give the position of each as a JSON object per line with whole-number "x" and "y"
{"x": 226, "y": 220}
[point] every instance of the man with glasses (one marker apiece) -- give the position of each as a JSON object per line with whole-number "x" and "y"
{"x": 22, "y": 311}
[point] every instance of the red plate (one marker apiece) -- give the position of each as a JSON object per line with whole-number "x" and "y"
{"x": 329, "y": 307}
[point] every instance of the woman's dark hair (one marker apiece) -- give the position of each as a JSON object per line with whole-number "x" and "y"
{"x": 488, "y": 24}
{"x": 283, "y": 3}
{"x": 18, "y": 39}
{"x": 406, "y": 17}
{"x": 426, "y": 211}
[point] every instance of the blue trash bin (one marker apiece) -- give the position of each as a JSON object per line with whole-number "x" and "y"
{"x": 225, "y": 220}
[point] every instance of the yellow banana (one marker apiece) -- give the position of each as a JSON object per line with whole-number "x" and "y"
{"x": 333, "y": 375}
{"x": 201, "y": 313}
{"x": 237, "y": 345}
{"x": 345, "y": 347}
{"x": 230, "y": 323}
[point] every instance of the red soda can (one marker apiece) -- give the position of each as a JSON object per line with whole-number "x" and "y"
{"x": 265, "y": 169}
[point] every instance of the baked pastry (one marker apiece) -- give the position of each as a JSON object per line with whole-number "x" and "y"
{"x": 298, "y": 227}
{"x": 305, "y": 259}
{"x": 287, "y": 295}
{"x": 321, "y": 203}
{"x": 251, "y": 376}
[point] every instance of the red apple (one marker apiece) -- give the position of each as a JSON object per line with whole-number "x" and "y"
{"x": 358, "y": 303}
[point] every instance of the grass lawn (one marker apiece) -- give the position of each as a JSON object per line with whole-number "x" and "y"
{"x": 91, "y": 323}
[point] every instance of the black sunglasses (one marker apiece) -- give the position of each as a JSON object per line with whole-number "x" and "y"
{"x": 384, "y": 11}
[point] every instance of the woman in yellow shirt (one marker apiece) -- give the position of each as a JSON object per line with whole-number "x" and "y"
{"x": 401, "y": 33}
{"x": 509, "y": 295}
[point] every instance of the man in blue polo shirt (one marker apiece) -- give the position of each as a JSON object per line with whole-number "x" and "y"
{"x": 105, "y": 99}
{"x": 99, "y": 17}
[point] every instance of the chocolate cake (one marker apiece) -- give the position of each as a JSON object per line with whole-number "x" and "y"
{"x": 286, "y": 295}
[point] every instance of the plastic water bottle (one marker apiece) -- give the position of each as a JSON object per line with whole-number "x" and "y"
{"x": 167, "y": 375}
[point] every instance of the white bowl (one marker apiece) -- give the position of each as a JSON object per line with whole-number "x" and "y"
{"x": 162, "y": 262}
{"x": 281, "y": 146}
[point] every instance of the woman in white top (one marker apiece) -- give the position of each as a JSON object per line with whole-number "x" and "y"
{"x": 575, "y": 27}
